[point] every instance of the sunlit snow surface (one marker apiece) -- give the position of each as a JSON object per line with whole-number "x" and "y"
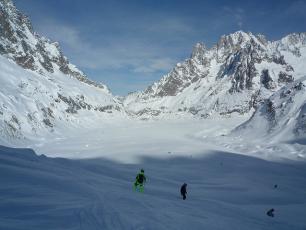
{"x": 128, "y": 140}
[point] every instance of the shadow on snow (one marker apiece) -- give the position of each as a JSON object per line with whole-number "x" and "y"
{"x": 225, "y": 191}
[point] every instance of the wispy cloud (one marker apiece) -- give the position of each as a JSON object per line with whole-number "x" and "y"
{"x": 66, "y": 34}
{"x": 132, "y": 53}
{"x": 154, "y": 65}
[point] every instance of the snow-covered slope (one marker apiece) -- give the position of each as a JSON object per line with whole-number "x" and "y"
{"x": 232, "y": 77}
{"x": 225, "y": 191}
{"x": 32, "y": 103}
{"x": 41, "y": 92}
{"x": 281, "y": 117}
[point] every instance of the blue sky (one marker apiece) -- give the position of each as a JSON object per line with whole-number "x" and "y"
{"x": 128, "y": 44}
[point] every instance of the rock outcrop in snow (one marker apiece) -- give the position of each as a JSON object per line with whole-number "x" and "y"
{"x": 234, "y": 76}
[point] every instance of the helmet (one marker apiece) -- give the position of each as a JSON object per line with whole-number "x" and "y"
{"x": 142, "y": 170}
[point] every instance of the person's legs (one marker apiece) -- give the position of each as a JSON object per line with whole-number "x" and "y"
{"x": 141, "y": 187}
{"x": 184, "y": 196}
{"x": 135, "y": 185}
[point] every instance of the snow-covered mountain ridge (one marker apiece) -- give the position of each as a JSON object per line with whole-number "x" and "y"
{"x": 41, "y": 91}
{"x": 19, "y": 42}
{"x": 234, "y": 76}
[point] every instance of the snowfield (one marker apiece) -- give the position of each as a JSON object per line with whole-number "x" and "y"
{"x": 225, "y": 191}
{"x": 126, "y": 141}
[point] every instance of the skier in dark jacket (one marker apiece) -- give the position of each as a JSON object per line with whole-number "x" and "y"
{"x": 271, "y": 212}
{"x": 184, "y": 191}
{"x": 140, "y": 180}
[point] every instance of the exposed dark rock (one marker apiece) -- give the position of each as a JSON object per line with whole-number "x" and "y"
{"x": 270, "y": 109}
{"x": 299, "y": 86}
{"x": 46, "y": 63}
{"x": 242, "y": 70}
{"x": 170, "y": 88}
{"x": 296, "y": 52}
{"x": 12, "y": 127}
{"x": 289, "y": 68}
{"x": 266, "y": 79}
{"x": 193, "y": 110}
{"x": 15, "y": 120}
{"x": 26, "y": 62}
{"x": 279, "y": 60}
{"x": 48, "y": 112}
{"x": 236, "y": 110}
{"x": 284, "y": 78}
{"x": 148, "y": 111}
{"x": 47, "y": 122}
{"x": 107, "y": 108}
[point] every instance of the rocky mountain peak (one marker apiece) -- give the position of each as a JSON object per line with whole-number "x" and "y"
{"x": 234, "y": 39}
{"x": 19, "y": 42}
{"x": 198, "y": 51}
{"x": 12, "y": 22}
{"x": 239, "y": 40}
{"x": 295, "y": 39}
{"x": 8, "y": 5}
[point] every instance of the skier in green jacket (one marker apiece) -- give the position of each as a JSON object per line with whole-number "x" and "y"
{"x": 140, "y": 180}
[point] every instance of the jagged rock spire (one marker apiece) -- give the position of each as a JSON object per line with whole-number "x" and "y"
{"x": 198, "y": 51}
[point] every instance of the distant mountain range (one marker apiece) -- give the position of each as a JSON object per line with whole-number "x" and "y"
{"x": 42, "y": 92}
{"x": 233, "y": 77}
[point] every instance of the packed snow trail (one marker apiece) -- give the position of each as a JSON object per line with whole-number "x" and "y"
{"x": 225, "y": 191}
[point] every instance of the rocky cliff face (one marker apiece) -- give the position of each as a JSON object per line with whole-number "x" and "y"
{"x": 234, "y": 76}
